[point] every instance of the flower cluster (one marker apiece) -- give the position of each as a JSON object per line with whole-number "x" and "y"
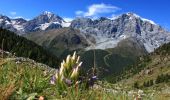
{"x": 68, "y": 72}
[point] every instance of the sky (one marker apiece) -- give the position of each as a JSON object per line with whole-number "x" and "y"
{"x": 156, "y": 10}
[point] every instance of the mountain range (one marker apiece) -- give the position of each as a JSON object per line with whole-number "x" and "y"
{"x": 44, "y": 21}
{"x": 102, "y": 33}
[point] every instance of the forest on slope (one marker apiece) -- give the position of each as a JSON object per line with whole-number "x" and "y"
{"x": 22, "y": 47}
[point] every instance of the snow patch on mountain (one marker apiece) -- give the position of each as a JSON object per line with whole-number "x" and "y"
{"x": 17, "y": 26}
{"x": 108, "y": 43}
{"x": 65, "y": 24}
{"x": 150, "y": 21}
{"x": 7, "y": 22}
{"x": 1, "y": 20}
{"x": 44, "y": 26}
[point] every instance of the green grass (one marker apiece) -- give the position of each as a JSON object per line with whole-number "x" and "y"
{"x": 25, "y": 80}
{"x": 28, "y": 80}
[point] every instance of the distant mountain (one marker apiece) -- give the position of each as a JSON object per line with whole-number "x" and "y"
{"x": 102, "y": 33}
{"x": 15, "y": 25}
{"x": 108, "y": 33}
{"x": 45, "y": 21}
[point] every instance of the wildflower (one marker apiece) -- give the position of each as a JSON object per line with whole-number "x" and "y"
{"x": 57, "y": 74}
{"x": 68, "y": 71}
{"x": 68, "y": 81}
{"x": 61, "y": 71}
{"x": 74, "y": 56}
{"x": 74, "y": 73}
{"x": 79, "y": 64}
{"x": 92, "y": 80}
{"x": 68, "y": 59}
{"x": 53, "y": 79}
{"x": 78, "y": 58}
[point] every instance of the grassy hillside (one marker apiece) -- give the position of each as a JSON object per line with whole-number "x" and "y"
{"x": 26, "y": 79}
{"x": 22, "y": 47}
{"x": 153, "y": 70}
{"x": 29, "y": 80}
{"x": 106, "y": 62}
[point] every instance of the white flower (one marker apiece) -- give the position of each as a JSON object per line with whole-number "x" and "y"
{"x": 79, "y": 64}
{"x": 68, "y": 59}
{"x": 78, "y": 58}
{"x": 62, "y": 69}
{"x": 74, "y": 73}
{"x": 74, "y": 56}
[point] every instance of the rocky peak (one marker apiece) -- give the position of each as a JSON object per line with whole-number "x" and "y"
{"x": 107, "y": 33}
{"x": 49, "y": 14}
{"x": 103, "y": 18}
{"x": 46, "y": 20}
{"x": 19, "y": 20}
{"x": 47, "y": 17}
{"x": 4, "y": 19}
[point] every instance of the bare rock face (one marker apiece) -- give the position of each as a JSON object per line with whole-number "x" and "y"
{"x": 108, "y": 33}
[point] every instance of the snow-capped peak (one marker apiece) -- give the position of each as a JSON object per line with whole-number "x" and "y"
{"x": 133, "y": 14}
{"x": 150, "y": 21}
{"x": 143, "y": 19}
{"x": 49, "y": 14}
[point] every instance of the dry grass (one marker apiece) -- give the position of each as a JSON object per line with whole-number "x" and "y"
{"x": 7, "y": 91}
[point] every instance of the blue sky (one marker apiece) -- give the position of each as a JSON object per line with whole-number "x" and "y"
{"x": 156, "y": 10}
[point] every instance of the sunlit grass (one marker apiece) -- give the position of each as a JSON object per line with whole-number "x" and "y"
{"x": 26, "y": 80}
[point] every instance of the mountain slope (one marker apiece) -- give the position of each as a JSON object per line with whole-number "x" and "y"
{"x": 22, "y": 47}
{"x": 150, "y": 68}
{"x": 111, "y": 62}
{"x": 62, "y": 42}
{"x": 59, "y": 40}
{"x": 107, "y": 33}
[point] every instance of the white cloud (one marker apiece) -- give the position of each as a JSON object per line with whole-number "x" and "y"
{"x": 97, "y": 9}
{"x": 79, "y": 12}
{"x": 68, "y": 19}
{"x": 13, "y": 13}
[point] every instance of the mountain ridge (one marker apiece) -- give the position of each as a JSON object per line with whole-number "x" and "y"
{"x": 102, "y": 33}
{"x": 108, "y": 33}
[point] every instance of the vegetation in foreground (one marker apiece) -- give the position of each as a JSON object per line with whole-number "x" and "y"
{"x": 25, "y": 79}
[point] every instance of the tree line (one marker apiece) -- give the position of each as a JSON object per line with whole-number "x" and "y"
{"x": 22, "y": 47}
